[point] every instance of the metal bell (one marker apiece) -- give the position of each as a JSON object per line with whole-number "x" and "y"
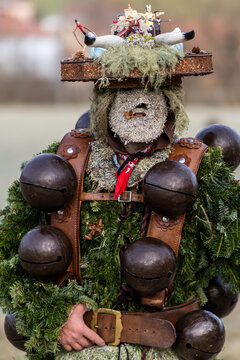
{"x": 170, "y": 188}
{"x": 221, "y": 300}
{"x": 200, "y": 335}
{"x": 84, "y": 121}
{"x": 224, "y": 136}
{"x": 11, "y": 333}
{"x": 148, "y": 265}
{"x": 45, "y": 253}
{"x": 48, "y": 182}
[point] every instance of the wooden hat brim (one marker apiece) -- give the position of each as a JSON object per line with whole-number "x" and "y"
{"x": 89, "y": 70}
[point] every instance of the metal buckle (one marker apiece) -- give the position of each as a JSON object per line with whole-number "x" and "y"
{"x": 129, "y": 197}
{"x": 118, "y": 328}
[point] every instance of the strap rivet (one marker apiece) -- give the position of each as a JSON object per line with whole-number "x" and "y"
{"x": 182, "y": 160}
{"x": 70, "y": 150}
{"x": 165, "y": 219}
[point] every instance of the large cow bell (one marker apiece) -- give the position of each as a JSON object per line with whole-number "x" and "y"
{"x": 221, "y": 300}
{"x": 11, "y": 333}
{"x": 170, "y": 188}
{"x": 200, "y": 335}
{"x": 229, "y": 140}
{"x": 48, "y": 182}
{"x": 148, "y": 265}
{"x": 45, "y": 253}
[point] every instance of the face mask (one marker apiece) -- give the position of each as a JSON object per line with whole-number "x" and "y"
{"x": 138, "y": 115}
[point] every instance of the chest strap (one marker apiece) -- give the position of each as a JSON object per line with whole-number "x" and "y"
{"x": 126, "y": 197}
{"x": 188, "y": 151}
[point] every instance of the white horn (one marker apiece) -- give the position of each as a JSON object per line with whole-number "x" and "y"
{"x": 104, "y": 42}
{"x": 173, "y": 38}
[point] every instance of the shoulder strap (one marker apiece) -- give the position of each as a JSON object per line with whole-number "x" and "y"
{"x": 188, "y": 151}
{"x": 74, "y": 147}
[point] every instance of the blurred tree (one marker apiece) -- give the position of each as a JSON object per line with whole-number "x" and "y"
{"x": 45, "y": 7}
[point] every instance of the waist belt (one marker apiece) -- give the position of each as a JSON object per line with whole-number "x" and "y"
{"x": 126, "y": 196}
{"x": 144, "y": 328}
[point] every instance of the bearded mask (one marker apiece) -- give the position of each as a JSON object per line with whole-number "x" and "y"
{"x": 138, "y": 115}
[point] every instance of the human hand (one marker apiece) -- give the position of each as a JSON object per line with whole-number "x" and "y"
{"x": 75, "y": 334}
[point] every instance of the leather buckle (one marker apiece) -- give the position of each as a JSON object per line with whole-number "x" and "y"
{"x": 118, "y": 328}
{"x": 129, "y": 197}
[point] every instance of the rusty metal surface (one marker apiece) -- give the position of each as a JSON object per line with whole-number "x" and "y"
{"x": 148, "y": 265}
{"x": 89, "y": 70}
{"x": 200, "y": 335}
{"x": 45, "y": 253}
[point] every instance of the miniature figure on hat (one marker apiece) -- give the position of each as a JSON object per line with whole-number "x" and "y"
{"x": 157, "y": 22}
{"x": 122, "y": 241}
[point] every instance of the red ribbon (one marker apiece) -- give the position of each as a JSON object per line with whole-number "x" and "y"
{"x": 123, "y": 177}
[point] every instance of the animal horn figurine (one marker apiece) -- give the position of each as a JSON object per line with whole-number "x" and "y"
{"x": 107, "y": 41}
{"x": 104, "y": 42}
{"x": 175, "y": 37}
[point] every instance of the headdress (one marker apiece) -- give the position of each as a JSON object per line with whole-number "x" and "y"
{"x": 133, "y": 57}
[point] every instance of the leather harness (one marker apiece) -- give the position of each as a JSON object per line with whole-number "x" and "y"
{"x": 144, "y": 328}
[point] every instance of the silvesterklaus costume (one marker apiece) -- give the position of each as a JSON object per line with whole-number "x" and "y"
{"x": 124, "y": 215}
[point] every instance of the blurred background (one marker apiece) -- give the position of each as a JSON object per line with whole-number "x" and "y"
{"x": 37, "y": 109}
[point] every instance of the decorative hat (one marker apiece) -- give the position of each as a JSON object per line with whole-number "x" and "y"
{"x": 133, "y": 56}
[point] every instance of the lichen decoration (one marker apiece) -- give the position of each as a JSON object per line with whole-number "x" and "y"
{"x": 210, "y": 246}
{"x": 154, "y": 63}
{"x": 174, "y": 94}
{"x": 111, "y": 353}
{"x": 104, "y": 353}
{"x": 103, "y": 100}
{"x": 102, "y": 169}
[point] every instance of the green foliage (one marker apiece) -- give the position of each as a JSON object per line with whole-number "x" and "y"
{"x": 120, "y": 60}
{"x": 100, "y": 268}
{"x": 41, "y": 309}
{"x": 45, "y": 7}
{"x": 209, "y": 247}
{"x": 210, "y": 239}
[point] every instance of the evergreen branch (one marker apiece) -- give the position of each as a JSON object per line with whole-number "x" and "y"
{"x": 220, "y": 245}
{"x": 205, "y": 214}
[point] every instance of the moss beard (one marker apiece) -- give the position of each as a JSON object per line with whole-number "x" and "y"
{"x": 138, "y": 116}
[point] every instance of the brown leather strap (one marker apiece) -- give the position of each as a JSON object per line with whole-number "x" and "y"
{"x": 174, "y": 313}
{"x": 145, "y": 328}
{"x": 76, "y": 150}
{"x": 157, "y": 300}
{"x": 137, "y": 328}
{"x": 188, "y": 151}
{"x": 126, "y": 196}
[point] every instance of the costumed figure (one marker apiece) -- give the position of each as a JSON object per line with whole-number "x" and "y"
{"x": 148, "y": 16}
{"x": 122, "y": 240}
{"x": 157, "y": 22}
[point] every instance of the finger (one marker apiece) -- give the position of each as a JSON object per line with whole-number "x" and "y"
{"x": 92, "y": 336}
{"x": 65, "y": 340}
{"x": 85, "y": 342}
{"x": 67, "y": 347}
{"x": 77, "y": 346}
